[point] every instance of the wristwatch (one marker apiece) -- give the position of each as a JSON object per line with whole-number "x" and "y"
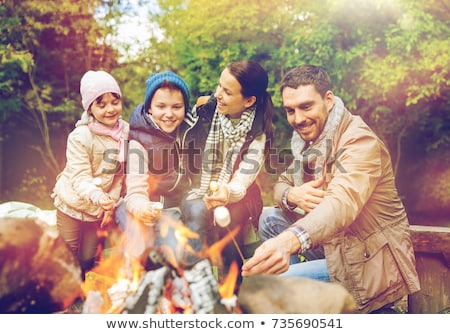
{"x": 302, "y": 236}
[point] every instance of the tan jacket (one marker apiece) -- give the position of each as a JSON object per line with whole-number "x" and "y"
{"x": 90, "y": 167}
{"x": 361, "y": 222}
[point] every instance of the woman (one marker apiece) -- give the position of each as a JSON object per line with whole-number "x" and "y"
{"x": 232, "y": 134}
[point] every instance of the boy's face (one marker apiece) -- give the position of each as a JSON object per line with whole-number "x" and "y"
{"x": 108, "y": 110}
{"x": 167, "y": 109}
{"x": 306, "y": 110}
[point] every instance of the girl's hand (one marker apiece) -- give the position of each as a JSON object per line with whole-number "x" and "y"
{"x": 107, "y": 205}
{"x": 108, "y": 217}
{"x": 105, "y": 202}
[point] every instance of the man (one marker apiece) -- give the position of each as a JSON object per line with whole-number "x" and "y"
{"x": 339, "y": 196}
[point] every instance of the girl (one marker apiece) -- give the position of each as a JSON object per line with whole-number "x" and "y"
{"x": 87, "y": 190}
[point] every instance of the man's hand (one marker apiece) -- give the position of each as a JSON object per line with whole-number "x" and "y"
{"x": 307, "y": 196}
{"x": 273, "y": 256}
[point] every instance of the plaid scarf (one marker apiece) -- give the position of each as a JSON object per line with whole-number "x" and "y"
{"x": 217, "y": 168}
{"x": 318, "y": 154}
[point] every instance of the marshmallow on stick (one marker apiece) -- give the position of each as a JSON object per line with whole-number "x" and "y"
{"x": 222, "y": 216}
{"x": 223, "y": 219}
{"x": 157, "y": 206}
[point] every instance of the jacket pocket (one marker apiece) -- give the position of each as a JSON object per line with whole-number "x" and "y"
{"x": 358, "y": 251}
{"x": 372, "y": 268}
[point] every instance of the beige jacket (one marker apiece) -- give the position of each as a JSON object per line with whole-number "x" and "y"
{"x": 91, "y": 164}
{"x": 361, "y": 222}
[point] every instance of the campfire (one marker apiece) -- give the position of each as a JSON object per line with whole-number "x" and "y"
{"x": 120, "y": 284}
{"x": 41, "y": 275}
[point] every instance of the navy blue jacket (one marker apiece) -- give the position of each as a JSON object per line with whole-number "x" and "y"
{"x": 165, "y": 164}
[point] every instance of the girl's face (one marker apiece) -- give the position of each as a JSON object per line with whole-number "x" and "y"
{"x": 229, "y": 97}
{"x": 107, "y": 109}
{"x": 167, "y": 109}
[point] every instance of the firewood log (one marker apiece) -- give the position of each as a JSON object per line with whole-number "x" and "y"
{"x": 38, "y": 272}
{"x": 264, "y": 294}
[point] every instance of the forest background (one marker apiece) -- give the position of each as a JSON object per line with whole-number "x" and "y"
{"x": 389, "y": 61}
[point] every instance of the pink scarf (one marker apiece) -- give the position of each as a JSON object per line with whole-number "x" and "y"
{"x": 115, "y": 133}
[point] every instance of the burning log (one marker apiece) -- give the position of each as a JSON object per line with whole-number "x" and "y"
{"x": 167, "y": 289}
{"x": 149, "y": 292}
{"x": 202, "y": 288}
{"x": 264, "y": 294}
{"x": 38, "y": 272}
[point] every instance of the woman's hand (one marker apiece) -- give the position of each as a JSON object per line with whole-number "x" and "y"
{"x": 217, "y": 198}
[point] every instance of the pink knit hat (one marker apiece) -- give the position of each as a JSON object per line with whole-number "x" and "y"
{"x": 95, "y": 83}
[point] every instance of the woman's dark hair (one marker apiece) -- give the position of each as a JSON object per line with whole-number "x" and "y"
{"x": 254, "y": 80}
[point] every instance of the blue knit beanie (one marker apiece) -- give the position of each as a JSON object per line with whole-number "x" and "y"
{"x": 154, "y": 81}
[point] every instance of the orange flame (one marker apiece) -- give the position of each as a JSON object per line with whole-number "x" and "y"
{"x": 215, "y": 250}
{"x": 226, "y": 290}
{"x": 116, "y": 266}
{"x": 109, "y": 271}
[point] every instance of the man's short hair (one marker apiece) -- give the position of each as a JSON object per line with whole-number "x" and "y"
{"x": 305, "y": 75}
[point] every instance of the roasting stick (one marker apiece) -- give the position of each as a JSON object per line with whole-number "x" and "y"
{"x": 222, "y": 218}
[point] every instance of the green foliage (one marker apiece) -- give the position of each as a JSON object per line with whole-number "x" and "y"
{"x": 388, "y": 60}
{"x": 203, "y": 45}
{"x": 414, "y": 64}
{"x": 384, "y": 57}
{"x": 33, "y": 189}
{"x": 45, "y": 48}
